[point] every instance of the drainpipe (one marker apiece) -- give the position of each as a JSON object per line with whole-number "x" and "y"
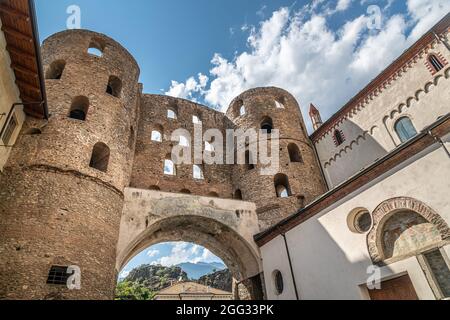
{"x": 440, "y": 39}
{"x": 290, "y": 265}
{"x": 439, "y": 140}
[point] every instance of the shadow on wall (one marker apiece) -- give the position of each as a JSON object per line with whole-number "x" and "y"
{"x": 339, "y": 266}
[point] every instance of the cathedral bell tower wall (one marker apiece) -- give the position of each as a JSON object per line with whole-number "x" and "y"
{"x": 61, "y": 193}
{"x": 299, "y": 172}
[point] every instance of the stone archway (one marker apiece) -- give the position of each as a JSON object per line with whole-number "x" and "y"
{"x": 225, "y": 227}
{"x": 402, "y": 205}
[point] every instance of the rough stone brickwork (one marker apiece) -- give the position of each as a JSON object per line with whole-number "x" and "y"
{"x": 305, "y": 179}
{"x": 150, "y": 155}
{"x": 57, "y": 210}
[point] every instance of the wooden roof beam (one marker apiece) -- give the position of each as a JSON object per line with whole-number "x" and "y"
{"x": 20, "y": 53}
{"x": 24, "y": 70}
{"x": 28, "y": 86}
{"x": 13, "y": 12}
{"x": 16, "y": 34}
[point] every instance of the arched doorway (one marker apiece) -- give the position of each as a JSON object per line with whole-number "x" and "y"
{"x": 175, "y": 271}
{"x": 225, "y": 227}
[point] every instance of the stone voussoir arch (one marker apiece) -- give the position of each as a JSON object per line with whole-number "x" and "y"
{"x": 387, "y": 209}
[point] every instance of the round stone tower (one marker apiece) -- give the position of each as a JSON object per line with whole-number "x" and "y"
{"x": 298, "y": 180}
{"x": 61, "y": 193}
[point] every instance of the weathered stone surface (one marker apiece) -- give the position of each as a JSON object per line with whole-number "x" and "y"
{"x": 55, "y": 209}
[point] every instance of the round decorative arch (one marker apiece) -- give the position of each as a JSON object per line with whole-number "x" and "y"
{"x": 387, "y": 209}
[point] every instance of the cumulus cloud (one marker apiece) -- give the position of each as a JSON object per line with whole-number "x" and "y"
{"x": 343, "y": 5}
{"x": 298, "y": 51}
{"x": 152, "y": 253}
{"x": 184, "y": 252}
{"x": 187, "y": 89}
{"x": 124, "y": 274}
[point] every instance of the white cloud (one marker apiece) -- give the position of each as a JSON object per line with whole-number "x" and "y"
{"x": 124, "y": 274}
{"x": 185, "y": 252}
{"x": 343, "y": 5}
{"x": 297, "y": 50}
{"x": 189, "y": 88}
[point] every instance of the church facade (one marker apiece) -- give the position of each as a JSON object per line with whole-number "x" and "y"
{"x": 382, "y": 229}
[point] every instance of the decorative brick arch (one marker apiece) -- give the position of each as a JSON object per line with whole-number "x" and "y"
{"x": 387, "y": 209}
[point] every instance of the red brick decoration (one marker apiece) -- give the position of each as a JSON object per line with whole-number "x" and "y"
{"x": 335, "y": 139}
{"x": 441, "y": 59}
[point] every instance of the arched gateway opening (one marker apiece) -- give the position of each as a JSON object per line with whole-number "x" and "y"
{"x": 225, "y": 227}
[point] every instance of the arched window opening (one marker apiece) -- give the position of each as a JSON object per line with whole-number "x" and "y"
{"x": 196, "y": 119}
{"x": 338, "y": 138}
{"x": 33, "y": 132}
{"x": 114, "y": 86}
{"x": 238, "y": 194}
{"x": 171, "y": 114}
{"x": 279, "y": 104}
{"x": 294, "y": 153}
{"x": 267, "y": 125}
{"x": 79, "y": 108}
{"x": 405, "y": 129}
{"x": 242, "y": 110}
{"x": 96, "y": 47}
{"x": 185, "y": 191}
{"x": 249, "y": 161}
{"x": 197, "y": 172}
{"x": 282, "y": 187}
{"x": 213, "y": 194}
{"x": 100, "y": 157}
{"x": 156, "y": 136}
{"x": 169, "y": 167}
{"x": 55, "y": 70}
{"x": 184, "y": 142}
{"x": 157, "y": 133}
{"x": 209, "y": 147}
{"x": 278, "y": 282}
{"x": 435, "y": 62}
{"x": 155, "y": 188}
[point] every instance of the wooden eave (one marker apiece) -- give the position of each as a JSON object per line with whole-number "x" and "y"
{"x": 22, "y": 43}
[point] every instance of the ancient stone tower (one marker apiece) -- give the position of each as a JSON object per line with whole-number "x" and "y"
{"x": 299, "y": 180}
{"x": 62, "y": 189}
{"x": 61, "y": 194}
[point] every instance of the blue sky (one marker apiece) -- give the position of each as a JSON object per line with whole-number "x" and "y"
{"x": 169, "y": 254}
{"x": 321, "y": 51}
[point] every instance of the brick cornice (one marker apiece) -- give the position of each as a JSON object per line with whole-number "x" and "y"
{"x": 385, "y": 78}
{"x": 388, "y": 162}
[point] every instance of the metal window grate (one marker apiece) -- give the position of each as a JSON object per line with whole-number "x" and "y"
{"x": 58, "y": 275}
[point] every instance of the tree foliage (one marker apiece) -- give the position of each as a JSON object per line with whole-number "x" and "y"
{"x": 127, "y": 290}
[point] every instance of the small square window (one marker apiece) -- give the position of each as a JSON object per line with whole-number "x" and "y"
{"x": 58, "y": 275}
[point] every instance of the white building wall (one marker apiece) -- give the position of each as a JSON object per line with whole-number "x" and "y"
{"x": 330, "y": 261}
{"x": 369, "y": 132}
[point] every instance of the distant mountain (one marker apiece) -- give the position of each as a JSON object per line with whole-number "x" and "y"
{"x": 156, "y": 278}
{"x": 199, "y": 269}
{"x": 220, "y": 280}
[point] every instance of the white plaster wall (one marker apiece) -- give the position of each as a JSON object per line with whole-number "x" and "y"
{"x": 9, "y": 94}
{"x": 416, "y": 93}
{"x": 330, "y": 261}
